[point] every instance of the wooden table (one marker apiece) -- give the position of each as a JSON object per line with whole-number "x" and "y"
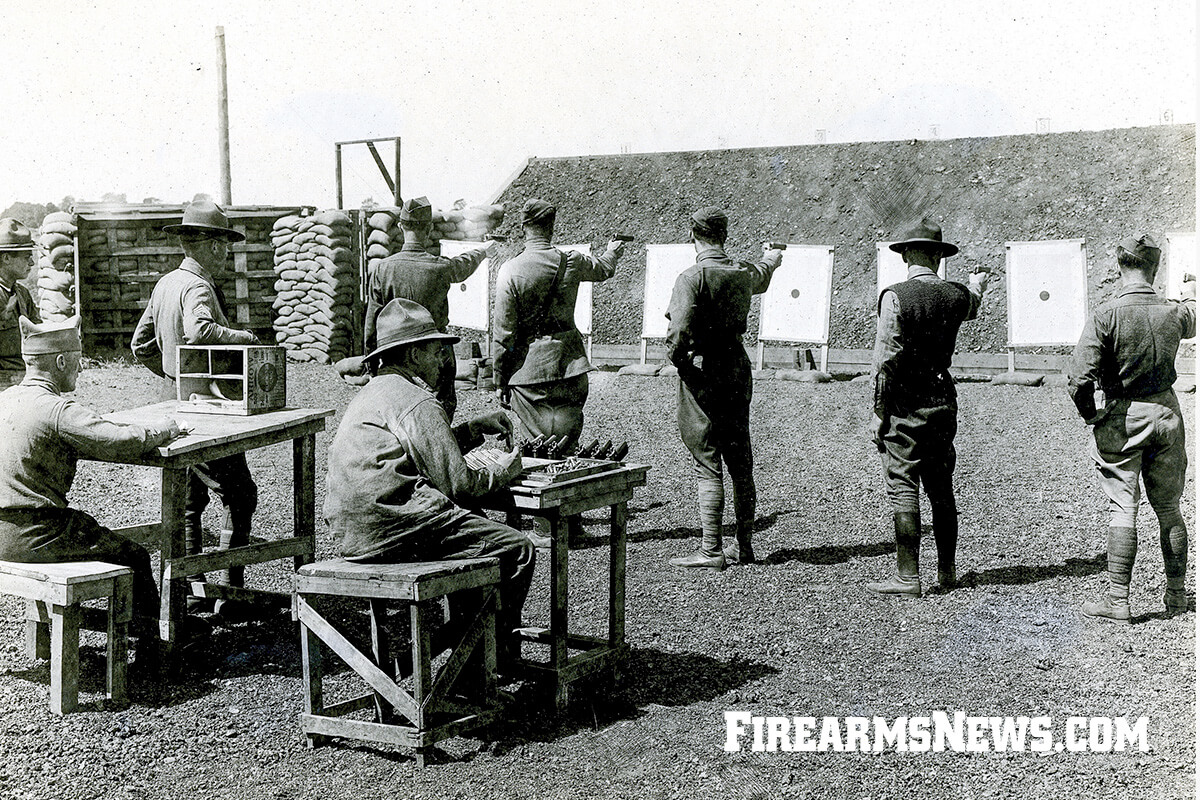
{"x": 556, "y": 503}
{"x": 215, "y": 436}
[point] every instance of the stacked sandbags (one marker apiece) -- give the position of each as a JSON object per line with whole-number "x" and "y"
{"x": 316, "y": 285}
{"x": 383, "y": 234}
{"x": 56, "y": 266}
{"x": 469, "y": 224}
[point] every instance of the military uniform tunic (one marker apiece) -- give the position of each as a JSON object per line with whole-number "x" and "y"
{"x": 549, "y": 384}
{"x": 426, "y": 279}
{"x": 15, "y": 302}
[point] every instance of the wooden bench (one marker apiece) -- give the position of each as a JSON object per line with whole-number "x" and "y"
{"x": 461, "y": 696}
{"x": 53, "y": 594}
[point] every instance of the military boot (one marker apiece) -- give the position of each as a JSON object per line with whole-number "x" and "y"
{"x": 741, "y": 550}
{"x": 193, "y": 534}
{"x": 907, "y": 582}
{"x": 234, "y": 576}
{"x": 711, "y": 495}
{"x": 1174, "y": 540}
{"x": 1122, "y": 549}
{"x": 945, "y": 534}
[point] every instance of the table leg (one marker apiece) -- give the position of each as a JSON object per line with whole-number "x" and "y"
{"x": 304, "y": 469}
{"x": 174, "y": 587}
{"x": 559, "y": 562}
{"x": 616, "y": 575}
{"x": 381, "y": 652}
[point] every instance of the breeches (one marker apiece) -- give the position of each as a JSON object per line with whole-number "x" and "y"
{"x": 714, "y": 424}
{"x": 1141, "y": 437}
{"x": 554, "y": 408}
{"x": 55, "y": 535}
{"x": 478, "y": 537}
{"x": 918, "y": 449}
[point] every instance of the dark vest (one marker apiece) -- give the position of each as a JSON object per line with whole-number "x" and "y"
{"x": 930, "y": 315}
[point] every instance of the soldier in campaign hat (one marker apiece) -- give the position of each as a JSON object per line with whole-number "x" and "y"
{"x": 398, "y": 488}
{"x": 16, "y": 258}
{"x": 708, "y": 309}
{"x": 187, "y": 306}
{"x": 916, "y": 404}
{"x": 416, "y": 274}
{"x": 45, "y": 434}
{"x": 1127, "y": 351}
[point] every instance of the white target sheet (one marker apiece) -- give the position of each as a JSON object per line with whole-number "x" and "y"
{"x": 1179, "y": 259}
{"x": 890, "y": 267}
{"x": 1047, "y": 292}
{"x": 795, "y": 307}
{"x": 664, "y": 262}
{"x": 583, "y": 300}
{"x": 469, "y": 299}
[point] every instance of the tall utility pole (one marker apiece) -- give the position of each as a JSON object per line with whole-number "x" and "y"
{"x": 223, "y": 118}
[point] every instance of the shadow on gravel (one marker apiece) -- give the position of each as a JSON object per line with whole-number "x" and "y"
{"x": 761, "y": 523}
{"x": 1021, "y": 574}
{"x": 830, "y": 553}
{"x": 652, "y": 677}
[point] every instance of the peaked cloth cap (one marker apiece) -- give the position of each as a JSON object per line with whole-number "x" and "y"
{"x": 402, "y": 322}
{"x": 928, "y": 235}
{"x": 1143, "y": 248}
{"x": 205, "y": 218}
{"x": 710, "y": 222}
{"x": 537, "y": 212}
{"x": 416, "y": 209}
{"x": 48, "y": 338}
{"x": 14, "y": 236}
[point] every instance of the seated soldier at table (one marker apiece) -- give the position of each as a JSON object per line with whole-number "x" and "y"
{"x": 397, "y": 482}
{"x": 45, "y": 434}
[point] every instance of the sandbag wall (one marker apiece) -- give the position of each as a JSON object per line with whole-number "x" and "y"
{"x": 124, "y": 251}
{"x": 316, "y": 287}
{"x": 56, "y": 266}
{"x": 383, "y": 235}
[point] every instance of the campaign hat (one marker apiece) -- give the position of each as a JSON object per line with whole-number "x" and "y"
{"x": 14, "y": 236}
{"x": 205, "y": 218}
{"x": 927, "y": 234}
{"x": 402, "y": 322}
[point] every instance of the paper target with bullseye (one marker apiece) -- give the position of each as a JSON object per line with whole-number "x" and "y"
{"x": 795, "y": 307}
{"x": 469, "y": 307}
{"x": 1047, "y": 292}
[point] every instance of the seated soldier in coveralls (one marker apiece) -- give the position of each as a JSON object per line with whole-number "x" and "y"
{"x": 398, "y": 489}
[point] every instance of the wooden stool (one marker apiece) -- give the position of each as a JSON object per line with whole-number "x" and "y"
{"x": 54, "y": 593}
{"x": 432, "y": 713}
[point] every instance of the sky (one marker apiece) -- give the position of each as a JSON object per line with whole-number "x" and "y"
{"x": 121, "y": 97}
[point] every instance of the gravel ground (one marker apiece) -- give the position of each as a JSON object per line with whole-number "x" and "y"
{"x": 795, "y": 635}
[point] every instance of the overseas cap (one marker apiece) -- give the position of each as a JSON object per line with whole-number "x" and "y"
{"x": 710, "y": 222}
{"x": 416, "y": 209}
{"x": 537, "y": 212}
{"x": 14, "y": 235}
{"x": 402, "y": 322}
{"x": 49, "y": 338}
{"x": 1143, "y": 248}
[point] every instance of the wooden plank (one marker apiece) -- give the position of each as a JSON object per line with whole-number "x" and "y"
{"x": 312, "y": 670}
{"x": 462, "y": 651}
{"x": 616, "y": 574}
{"x": 304, "y": 495}
{"x": 575, "y": 641}
{"x": 349, "y": 706}
{"x": 64, "y": 660}
{"x": 216, "y": 591}
{"x": 210, "y": 431}
{"x": 239, "y": 556}
{"x": 361, "y": 664}
{"x": 173, "y": 590}
{"x": 381, "y": 654}
{"x": 120, "y": 612}
{"x": 148, "y": 535}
